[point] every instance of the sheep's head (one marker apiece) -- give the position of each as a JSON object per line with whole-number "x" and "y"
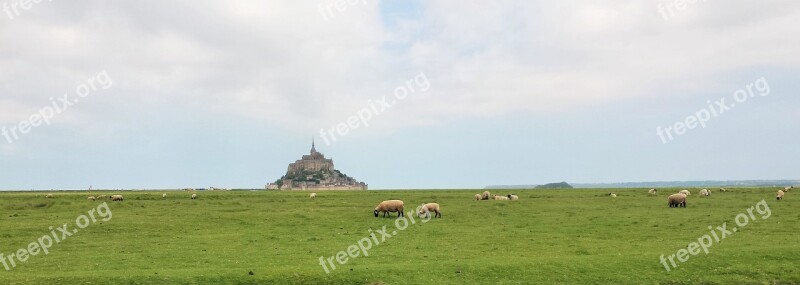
{"x": 422, "y": 210}
{"x": 376, "y": 213}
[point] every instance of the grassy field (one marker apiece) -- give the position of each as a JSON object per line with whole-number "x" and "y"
{"x": 547, "y": 237}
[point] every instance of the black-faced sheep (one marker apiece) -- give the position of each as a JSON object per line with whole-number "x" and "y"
{"x": 390, "y": 206}
{"x": 486, "y": 195}
{"x": 676, "y": 200}
{"x": 513, "y": 197}
{"x": 312, "y": 195}
{"x": 164, "y": 195}
{"x": 612, "y": 195}
{"x": 430, "y": 207}
{"x": 91, "y": 198}
{"x": 787, "y": 188}
{"x": 685, "y": 192}
{"x": 194, "y": 196}
{"x": 723, "y": 190}
{"x": 478, "y": 197}
{"x": 779, "y": 195}
{"x": 652, "y": 191}
{"x": 116, "y": 197}
{"x": 705, "y": 193}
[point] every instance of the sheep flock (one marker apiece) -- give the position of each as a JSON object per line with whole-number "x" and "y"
{"x": 388, "y": 207}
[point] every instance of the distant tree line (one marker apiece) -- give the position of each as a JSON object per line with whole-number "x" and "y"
{"x": 559, "y": 185}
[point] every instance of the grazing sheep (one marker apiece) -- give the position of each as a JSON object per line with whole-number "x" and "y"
{"x": 478, "y": 197}
{"x": 390, "y": 206}
{"x": 779, "y": 195}
{"x": 676, "y": 200}
{"x": 652, "y": 191}
{"x": 48, "y": 196}
{"x": 787, "y": 188}
{"x": 313, "y": 195}
{"x": 164, "y": 195}
{"x": 91, "y": 198}
{"x": 612, "y": 195}
{"x": 116, "y": 197}
{"x": 428, "y": 208}
{"x": 723, "y": 190}
{"x": 513, "y": 197}
{"x": 194, "y": 196}
{"x": 705, "y": 192}
{"x": 498, "y": 197}
{"x": 685, "y": 192}
{"x": 486, "y": 195}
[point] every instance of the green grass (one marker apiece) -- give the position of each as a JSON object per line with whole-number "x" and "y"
{"x": 547, "y": 237}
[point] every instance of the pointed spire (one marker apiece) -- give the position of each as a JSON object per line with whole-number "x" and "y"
{"x": 313, "y": 148}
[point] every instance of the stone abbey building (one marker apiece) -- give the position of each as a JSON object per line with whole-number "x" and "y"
{"x": 315, "y": 172}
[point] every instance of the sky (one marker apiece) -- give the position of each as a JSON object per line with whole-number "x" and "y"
{"x": 401, "y": 94}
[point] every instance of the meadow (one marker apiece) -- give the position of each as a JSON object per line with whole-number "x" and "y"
{"x": 578, "y": 236}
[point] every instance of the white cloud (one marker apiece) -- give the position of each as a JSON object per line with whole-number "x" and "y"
{"x": 280, "y": 62}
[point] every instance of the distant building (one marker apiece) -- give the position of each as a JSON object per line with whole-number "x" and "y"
{"x": 315, "y": 172}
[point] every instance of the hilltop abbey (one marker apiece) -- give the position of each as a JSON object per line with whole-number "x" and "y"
{"x": 315, "y": 172}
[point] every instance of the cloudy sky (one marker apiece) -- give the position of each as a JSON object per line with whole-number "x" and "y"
{"x": 401, "y": 94}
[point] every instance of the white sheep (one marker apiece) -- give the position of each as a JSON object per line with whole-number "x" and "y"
{"x": 428, "y": 208}
{"x": 779, "y": 195}
{"x": 652, "y": 191}
{"x": 313, "y": 195}
{"x": 677, "y": 200}
{"x": 194, "y": 195}
{"x": 390, "y": 206}
{"x": 164, "y": 195}
{"x": 705, "y": 192}
{"x": 723, "y": 190}
{"x": 787, "y": 188}
{"x": 486, "y": 195}
{"x": 116, "y": 198}
{"x": 478, "y": 197}
{"x": 513, "y": 197}
{"x": 612, "y": 195}
{"x": 498, "y": 197}
{"x": 49, "y": 196}
{"x": 685, "y": 192}
{"x": 91, "y": 198}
